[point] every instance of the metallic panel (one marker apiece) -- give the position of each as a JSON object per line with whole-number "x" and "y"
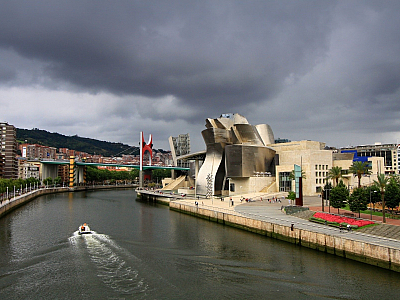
{"x": 266, "y": 134}
{"x": 246, "y": 160}
{"x": 247, "y": 134}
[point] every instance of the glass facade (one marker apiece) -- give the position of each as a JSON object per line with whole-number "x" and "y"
{"x": 285, "y": 183}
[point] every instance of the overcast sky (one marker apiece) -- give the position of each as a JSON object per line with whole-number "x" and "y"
{"x": 318, "y": 70}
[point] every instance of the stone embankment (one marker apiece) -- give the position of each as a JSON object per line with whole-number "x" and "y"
{"x": 7, "y": 206}
{"x": 271, "y": 222}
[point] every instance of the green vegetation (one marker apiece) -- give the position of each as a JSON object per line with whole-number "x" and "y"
{"x": 91, "y": 146}
{"x": 382, "y": 183}
{"x": 392, "y": 194}
{"x": 292, "y": 195}
{"x": 339, "y": 195}
{"x": 358, "y": 200}
{"x": 95, "y": 175}
{"x": 359, "y": 169}
{"x": 335, "y": 174}
{"x": 10, "y": 183}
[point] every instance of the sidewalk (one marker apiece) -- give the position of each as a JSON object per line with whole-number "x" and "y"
{"x": 382, "y": 234}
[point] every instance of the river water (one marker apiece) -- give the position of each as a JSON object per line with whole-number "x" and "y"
{"x": 146, "y": 251}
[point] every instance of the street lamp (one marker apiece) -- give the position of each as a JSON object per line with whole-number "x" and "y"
{"x": 370, "y": 200}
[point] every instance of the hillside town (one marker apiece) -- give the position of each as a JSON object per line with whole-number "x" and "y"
{"x": 23, "y": 160}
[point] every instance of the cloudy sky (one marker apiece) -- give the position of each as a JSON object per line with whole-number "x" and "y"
{"x": 317, "y": 70}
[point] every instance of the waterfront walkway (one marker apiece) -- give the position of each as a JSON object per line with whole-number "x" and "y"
{"x": 271, "y": 211}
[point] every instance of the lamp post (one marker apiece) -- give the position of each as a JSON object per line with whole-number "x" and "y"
{"x": 370, "y": 200}
{"x": 328, "y": 198}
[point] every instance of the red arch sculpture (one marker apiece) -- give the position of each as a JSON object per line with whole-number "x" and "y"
{"x": 145, "y": 147}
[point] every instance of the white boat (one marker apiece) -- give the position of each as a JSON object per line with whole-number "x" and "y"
{"x": 84, "y": 229}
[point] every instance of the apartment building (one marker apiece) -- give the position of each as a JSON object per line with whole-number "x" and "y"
{"x": 35, "y": 151}
{"x": 8, "y": 151}
{"x": 28, "y": 169}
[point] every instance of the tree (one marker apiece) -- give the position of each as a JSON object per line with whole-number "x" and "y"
{"x": 57, "y": 180}
{"x": 335, "y": 173}
{"x": 392, "y": 194}
{"x": 48, "y": 181}
{"x": 291, "y": 196}
{"x": 359, "y": 169}
{"x": 159, "y": 174}
{"x": 358, "y": 200}
{"x": 381, "y": 182}
{"x": 339, "y": 195}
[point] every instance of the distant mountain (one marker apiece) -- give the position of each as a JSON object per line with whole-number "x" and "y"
{"x": 91, "y": 146}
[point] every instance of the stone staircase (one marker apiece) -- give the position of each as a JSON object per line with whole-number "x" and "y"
{"x": 175, "y": 184}
{"x": 384, "y": 230}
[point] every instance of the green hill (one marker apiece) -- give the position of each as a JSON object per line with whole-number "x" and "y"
{"x": 91, "y": 146}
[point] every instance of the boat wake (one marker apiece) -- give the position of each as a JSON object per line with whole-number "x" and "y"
{"x": 116, "y": 267}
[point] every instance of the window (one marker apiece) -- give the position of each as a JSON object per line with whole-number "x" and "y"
{"x": 285, "y": 183}
{"x": 316, "y": 167}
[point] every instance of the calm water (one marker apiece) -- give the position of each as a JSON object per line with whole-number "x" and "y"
{"x": 143, "y": 251}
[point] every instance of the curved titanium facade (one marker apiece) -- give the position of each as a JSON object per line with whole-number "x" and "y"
{"x": 234, "y": 149}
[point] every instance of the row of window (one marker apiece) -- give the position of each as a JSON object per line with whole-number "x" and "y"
{"x": 321, "y": 174}
{"x": 321, "y": 167}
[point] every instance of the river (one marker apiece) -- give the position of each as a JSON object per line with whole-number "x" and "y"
{"x": 145, "y": 251}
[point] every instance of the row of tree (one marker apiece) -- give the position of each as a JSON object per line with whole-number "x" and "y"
{"x": 9, "y": 184}
{"x": 95, "y": 175}
{"x": 385, "y": 190}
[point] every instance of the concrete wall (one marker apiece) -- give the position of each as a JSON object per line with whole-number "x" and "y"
{"x": 21, "y": 200}
{"x": 8, "y": 206}
{"x": 369, "y": 253}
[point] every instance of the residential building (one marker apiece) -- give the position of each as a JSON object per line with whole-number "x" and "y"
{"x": 28, "y": 169}
{"x": 40, "y": 152}
{"x": 8, "y": 150}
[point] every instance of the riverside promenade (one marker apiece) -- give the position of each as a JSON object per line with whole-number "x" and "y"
{"x": 268, "y": 218}
{"x": 18, "y": 200}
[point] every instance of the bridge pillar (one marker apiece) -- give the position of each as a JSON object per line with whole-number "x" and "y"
{"x": 80, "y": 174}
{"x": 49, "y": 171}
{"x": 196, "y": 173}
{"x": 71, "y": 171}
{"x": 141, "y": 178}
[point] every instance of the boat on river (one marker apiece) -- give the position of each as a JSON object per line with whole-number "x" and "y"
{"x": 84, "y": 229}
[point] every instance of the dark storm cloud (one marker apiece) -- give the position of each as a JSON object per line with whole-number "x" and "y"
{"x": 207, "y": 52}
{"x": 300, "y": 66}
